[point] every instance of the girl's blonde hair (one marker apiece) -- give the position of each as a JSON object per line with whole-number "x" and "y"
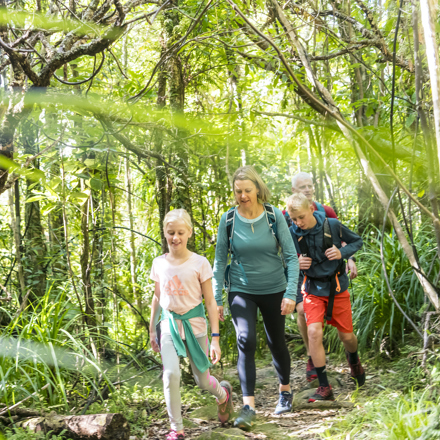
{"x": 248, "y": 172}
{"x": 178, "y": 215}
{"x": 297, "y": 201}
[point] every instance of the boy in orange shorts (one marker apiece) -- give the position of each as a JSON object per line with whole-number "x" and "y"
{"x": 323, "y": 283}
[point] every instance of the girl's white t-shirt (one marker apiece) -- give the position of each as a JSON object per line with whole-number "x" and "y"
{"x": 181, "y": 290}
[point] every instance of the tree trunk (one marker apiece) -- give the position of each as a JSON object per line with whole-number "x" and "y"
{"x": 328, "y": 185}
{"x": 58, "y": 244}
{"x": 316, "y": 141}
{"x": 90, "y": 427}
{"x": 100, "y": 275}
{"x": 133, "y": 262}
{"x": 364, "y": 200}
{"x": 16, "y": 110}
{"x": 35, "y": 243}
{"x": 89, "y": 307}
{"x": 432, "y": 178}
{"x": 312, "y": 157}
{"x": 161, "y": 170}
{"x": 15, "y": 226}
{"x": 176, "y": 87}
{"x": 429, "y": 14}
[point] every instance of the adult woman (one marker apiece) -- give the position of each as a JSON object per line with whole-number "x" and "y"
{"x": 256, "y": 281}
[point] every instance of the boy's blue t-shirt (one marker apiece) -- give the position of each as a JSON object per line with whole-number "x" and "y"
{"x": 257, "y": 251}
{"x": 321, "y": 266}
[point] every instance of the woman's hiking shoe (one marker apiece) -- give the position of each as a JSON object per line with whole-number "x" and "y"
{"x": 173, "y": 435}
{"x": 311, "y": 372}
{"x": 225, "y": 409}
{"x": 245, "y": 419}
{"x": 322, "y": 393}
{"x": 284, "y": 403}
{"x": 357, "y": 372}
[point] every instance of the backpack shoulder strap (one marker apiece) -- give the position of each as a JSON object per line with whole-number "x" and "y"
{"x": 272, "y": 222}
{"x": 328, "y": 239}
{"x": 230, "y": 222}
{"x": 320, "y": 207}
{"x": 303, "y": 247}
{"x": 271, "y": 217}
{"x": 287, "y": 218}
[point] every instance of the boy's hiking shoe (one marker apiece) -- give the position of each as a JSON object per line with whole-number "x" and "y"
{"x": 322, "y": 393}
{"x": 284, "y": 403}
{"x": 245, "y": 419}
{"x": 225, "y": 409}
{"x": 174, "y": 436}
{"x": 311, "y": 372}
{"x": 357, "y": 372}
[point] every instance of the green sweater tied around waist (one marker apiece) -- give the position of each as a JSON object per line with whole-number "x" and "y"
{"x": 198, "y": 356}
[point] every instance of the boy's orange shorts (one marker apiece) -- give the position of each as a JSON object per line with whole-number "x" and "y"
{"x": 316, "y": 306}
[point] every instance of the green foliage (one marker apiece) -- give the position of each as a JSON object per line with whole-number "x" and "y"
{"x": 18, "y": 434}
{"x": 401, "y": 400}
{"x": 74, "y": 252}
{"x": 392, "y": 416}
{"x": 44, "y": 345}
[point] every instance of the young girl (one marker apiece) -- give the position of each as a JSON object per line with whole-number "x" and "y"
{"x": 182, "y": 277}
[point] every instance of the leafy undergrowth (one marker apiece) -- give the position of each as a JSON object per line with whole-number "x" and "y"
{"x": 20, "y": 434}
{"x": 399, "y": 401}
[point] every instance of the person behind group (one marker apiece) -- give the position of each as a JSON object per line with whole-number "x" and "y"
{"x": 303, "y": 183}
{"x": 323, "y": 276}
{"x": 181, "y": 279}
{"x": 256, "y": 281}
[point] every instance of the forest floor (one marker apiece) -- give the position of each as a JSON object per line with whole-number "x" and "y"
{"x": 306, "y": 421}
{"x": 396, "y": 391}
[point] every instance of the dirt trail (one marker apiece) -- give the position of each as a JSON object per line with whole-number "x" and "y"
{"x": 305, "y": 421}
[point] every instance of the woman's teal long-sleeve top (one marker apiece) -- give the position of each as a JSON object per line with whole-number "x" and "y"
{"x": 256, "y": 248}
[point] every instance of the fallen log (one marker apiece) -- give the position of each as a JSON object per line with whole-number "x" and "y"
{"x": 8, "y": 420}
{"x": 23, "y": 412}
{"x": 321, "y": 404}
{"x": 90, "y": 427}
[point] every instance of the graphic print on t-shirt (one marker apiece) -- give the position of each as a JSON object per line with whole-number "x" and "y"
{"x": 175, "y": 287}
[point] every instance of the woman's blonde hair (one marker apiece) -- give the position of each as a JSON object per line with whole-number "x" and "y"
{"x": 297, "y": 201}
{"x": 178, "y": 215}
{"x": 248, "y": 172}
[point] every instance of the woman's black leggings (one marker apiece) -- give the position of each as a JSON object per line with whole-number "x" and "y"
{"x": 244, "y": 315}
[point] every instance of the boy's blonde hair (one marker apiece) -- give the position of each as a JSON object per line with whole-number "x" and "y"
{"x": 248, "y": 172}
{"x": 178, "y": 215}
{"x": 297, "y": 201}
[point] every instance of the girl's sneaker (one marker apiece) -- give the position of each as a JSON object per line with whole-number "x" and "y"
{"x": 173, "y": 435}
{"x": 225, "y": 409}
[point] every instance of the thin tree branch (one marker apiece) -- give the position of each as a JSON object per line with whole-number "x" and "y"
{"x": 117, "y": 63}
{"x": 77, "y": 83}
